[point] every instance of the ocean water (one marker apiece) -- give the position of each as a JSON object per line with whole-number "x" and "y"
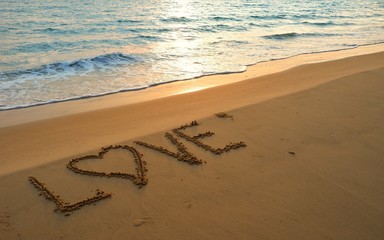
{"x": 56, "y": 50}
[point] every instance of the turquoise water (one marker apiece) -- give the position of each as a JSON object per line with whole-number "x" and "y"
{"x": 58, "y": 50}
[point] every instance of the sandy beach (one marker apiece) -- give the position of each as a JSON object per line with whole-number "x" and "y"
{"x": 289, "y": 149}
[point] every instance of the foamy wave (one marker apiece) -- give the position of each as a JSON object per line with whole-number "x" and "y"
{"x": 69, "y": 68}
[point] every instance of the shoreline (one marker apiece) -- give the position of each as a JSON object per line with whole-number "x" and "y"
{"x": 195, "y": 78}
{"x": 15, "y": 116}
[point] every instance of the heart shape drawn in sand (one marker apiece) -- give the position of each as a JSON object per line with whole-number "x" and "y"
{"x": 138, "y": 178}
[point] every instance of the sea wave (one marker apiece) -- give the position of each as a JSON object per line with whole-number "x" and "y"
{"x": 129, "y": 21}
{"x": 290, "y": 35}
{"x": 229, "y": 43}
{"x": 69, "y": 68}
{"x": 227, "y": 19}
{"x": 268, "y": 17}
{"x": 220, "y": 27}
{"x": 327, "y": 23}
{"x": 177, "y": 19}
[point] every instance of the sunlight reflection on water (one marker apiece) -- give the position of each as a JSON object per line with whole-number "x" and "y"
{"x": 60, "y": 50}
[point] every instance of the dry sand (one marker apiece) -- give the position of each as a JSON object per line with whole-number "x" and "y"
{"x": 312, "y": 167}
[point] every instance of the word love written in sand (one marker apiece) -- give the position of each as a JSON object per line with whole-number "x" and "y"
{"x": 182, "y": 154}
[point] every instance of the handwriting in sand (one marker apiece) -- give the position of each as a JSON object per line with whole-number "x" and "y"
{"x": 182, "y": 154}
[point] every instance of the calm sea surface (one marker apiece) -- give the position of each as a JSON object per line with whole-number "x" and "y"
{"x": 55, "y": 50}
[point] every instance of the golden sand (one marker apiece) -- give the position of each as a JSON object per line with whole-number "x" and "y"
{"x": 295, "y": 154}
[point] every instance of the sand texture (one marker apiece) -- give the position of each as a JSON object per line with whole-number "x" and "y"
{"x": 296, "y": 154}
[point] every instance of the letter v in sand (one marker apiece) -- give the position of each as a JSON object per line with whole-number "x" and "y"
{"x": 182, "y": 153}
